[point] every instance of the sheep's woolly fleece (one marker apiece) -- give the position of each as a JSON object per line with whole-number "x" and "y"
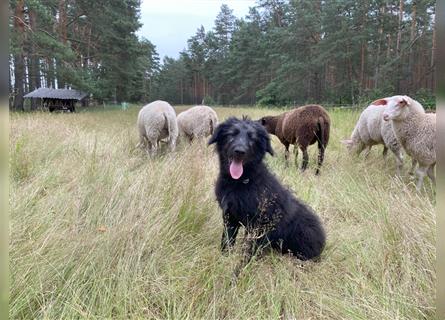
{"x": 156, "y": 121}
{"x": 197, "y": 122}
{"x": 371, "y": 130}
{"x": 416, "y": 132}
{"x": 302, "y": 126}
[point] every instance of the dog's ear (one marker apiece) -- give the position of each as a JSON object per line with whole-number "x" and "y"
{"x": 215, "y": 136}
{"x": 268, "y": 145}
{"x": 264, "y": 138}
{"x": 269, "y": 149}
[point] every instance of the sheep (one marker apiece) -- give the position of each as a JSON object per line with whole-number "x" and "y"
{"x": 156, "y": 121}
{"x": 371, "y": 130}
{"x": 416, "y": 132}
{"x": 301, "y": 127}
{"x": 197, "y": 122}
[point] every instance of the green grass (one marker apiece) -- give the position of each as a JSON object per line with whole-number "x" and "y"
{"x": 98, "y": 230}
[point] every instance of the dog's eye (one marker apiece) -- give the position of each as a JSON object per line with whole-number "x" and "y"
{"x": 250, "y": 135}
{"x": 235, "y": 132}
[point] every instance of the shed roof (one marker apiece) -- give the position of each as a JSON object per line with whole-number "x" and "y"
{"x": 63, "y": 94}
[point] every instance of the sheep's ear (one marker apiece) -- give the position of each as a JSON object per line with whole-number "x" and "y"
{"x": 406, "y": 101}
{"x": 347, "y": 142}
{"x": 380, "y": 102}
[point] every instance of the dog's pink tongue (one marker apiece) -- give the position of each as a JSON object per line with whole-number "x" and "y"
{"x": 236, "y": 169}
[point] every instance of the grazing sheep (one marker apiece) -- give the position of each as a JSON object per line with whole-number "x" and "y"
{"x": 197, "y": 122}
{"x": 156, "y": 121}
{"x": 416, "y": 132}
{"x": 301, "y": 127}
{"x": 371, "y": 130}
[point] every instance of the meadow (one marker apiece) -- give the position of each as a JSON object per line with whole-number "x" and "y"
{"x": 98, "y": 230}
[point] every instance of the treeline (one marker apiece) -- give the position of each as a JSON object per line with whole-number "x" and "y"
{"x": 292, "y": 52}
{"x": 281, "y": 53}
{"x": 81, "y": 44}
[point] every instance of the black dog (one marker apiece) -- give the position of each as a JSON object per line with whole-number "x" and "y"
{"x": 250, "y": 196}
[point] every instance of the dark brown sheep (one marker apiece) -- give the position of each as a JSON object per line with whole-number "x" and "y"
{"x": 301, "y": 127}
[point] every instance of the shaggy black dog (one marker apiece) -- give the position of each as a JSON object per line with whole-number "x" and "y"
{"x": 250, "y": 196}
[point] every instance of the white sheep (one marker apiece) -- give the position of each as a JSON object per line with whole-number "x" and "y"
{"x": 416, "y": 132}
{"x": 371, "y": 130}
{"x": 197, "y": 122}
{"x": 156, "y": 121}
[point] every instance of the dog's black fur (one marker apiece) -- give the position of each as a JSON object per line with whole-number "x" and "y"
{"x": 257, "y": 201}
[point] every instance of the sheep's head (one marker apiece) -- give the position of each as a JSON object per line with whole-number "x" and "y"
{"x": 396, "y": 107}
{"x": 269, "y": 123}
{"x": 348, "y": 143}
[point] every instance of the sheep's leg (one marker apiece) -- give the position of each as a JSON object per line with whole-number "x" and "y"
{"x": 148, "y": 147}
{"x": 296, "y": 155}
{"x": 385, "y": 152}
{"x": 431, "y": 174}
{"x": 305, "y": 158}
{"x": 399, "y": 161}
{"x": 413, "y": 167}
{"x": 421, "y": 173}
{"x": 368, "y": 151}
{"x": 320, "y": 157}
{"x": 286, "y": 153}
{"x": 172, "y": 144}
{"x": 158, "y": 146}
{"x": 360, "y": 148}
{"x": 154, "y": 147}
{"x": 142, "y": 142}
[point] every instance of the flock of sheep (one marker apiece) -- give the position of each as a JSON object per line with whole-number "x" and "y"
{"x": 397, "y": 122}
{"x": 157, "y": 121}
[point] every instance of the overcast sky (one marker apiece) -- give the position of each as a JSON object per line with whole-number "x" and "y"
{"x": 168, "y": 24}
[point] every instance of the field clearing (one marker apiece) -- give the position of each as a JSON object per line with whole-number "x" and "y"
{"x": 99, "y": 230}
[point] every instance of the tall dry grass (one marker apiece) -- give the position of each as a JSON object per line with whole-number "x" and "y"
{"x": 99, "y": 230}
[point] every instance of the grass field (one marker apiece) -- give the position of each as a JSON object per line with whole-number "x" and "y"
{"x": 98, "y": 230}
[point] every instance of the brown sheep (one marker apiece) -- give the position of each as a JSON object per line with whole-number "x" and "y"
{"x": 301, "y": 127}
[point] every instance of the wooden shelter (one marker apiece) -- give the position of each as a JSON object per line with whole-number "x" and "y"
{"x": 58, "y": 99}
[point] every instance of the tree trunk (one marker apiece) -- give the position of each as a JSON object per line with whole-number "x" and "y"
{"x": 62, "y": 23}
{"x": 195, "y": 92}
{"x": 11, "y": 89}
{"x": 399, "y": 30}
{"x": 61, "y": 26}
{"x": 388, "y": 46}
{"x": 433, "y": 58}
{"x": 50, "y": 76}
{"x": 379, "y": 46}
{"x": 182, "y": 93}
{"x": 412, "y": 52}
{"x": 362, "y": 67}
{"x": 19, "y": 63}
{"x": 34, "y": 61}
{"x": 399, "y": 43}
{"x": 315, "y": 52}
{"x": 363, "y": 48}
